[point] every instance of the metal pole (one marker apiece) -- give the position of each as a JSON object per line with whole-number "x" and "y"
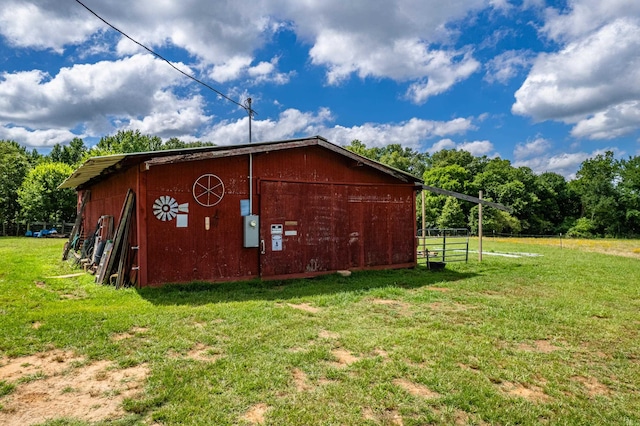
{"x": 480, "y": 228}
{"x": 250, "y": 112}
{"x": 424, "y": 230}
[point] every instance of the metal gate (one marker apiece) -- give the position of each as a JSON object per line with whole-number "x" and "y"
{"x": 443, "y": 245}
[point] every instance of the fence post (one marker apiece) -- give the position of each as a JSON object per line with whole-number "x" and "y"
{"x": 444, "y": 245}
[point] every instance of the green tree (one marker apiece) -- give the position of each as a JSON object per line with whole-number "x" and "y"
{"x": 71, "y": 154}
{"x": 494, "y": 220}
{"x": 358, "y": 147}
{"x": 41, "y": 199}
{"x": 125, "y": 141}
{"x": 451, "y": 177}
{"x": 629, "y": 187}
{"x": 557, "y": 207}
{"x": 393, "y": 155}
{"x": 452, "y": 215}
{"x": 462, "y": 158}
{"x": 14, "y": 166}
{"x": 405, "y": 159}
{"x": 175, "y": 143}
{"x": 595, "y": 184}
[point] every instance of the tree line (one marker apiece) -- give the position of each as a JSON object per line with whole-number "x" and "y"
{"x": 602, "y": 201}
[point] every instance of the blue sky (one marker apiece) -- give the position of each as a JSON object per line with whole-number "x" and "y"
{"x": 545, "y": 84}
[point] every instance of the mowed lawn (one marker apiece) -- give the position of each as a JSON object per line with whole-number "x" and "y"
{"x": 548, "y": 339}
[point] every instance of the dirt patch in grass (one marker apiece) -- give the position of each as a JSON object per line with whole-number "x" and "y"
{"x": 448, "y": 307}
{"x": 60, "y": 384}
{"x": 530, "y": 392}
{"x": 129, "y": 334}
{"x": 300, "y": 380}
{"x": 381, "y": 353}
{"x": 304, "y": 307}
{"x": 592, "y": 386}
{"x": 42, "y": 364}
{"x": 402, "y": 307}
{"x": 543, "y": 346}
{"x": 455, "y": 416}
{"x": 344, "y": 357}
{"x": 416, "y": 389}
{"x": 201, "y": 352}
{"x": 324, "y": 334}
{"x": 255, "y": 414}
{"x": 387, "y": 417}
{"x": 440, "y": 289}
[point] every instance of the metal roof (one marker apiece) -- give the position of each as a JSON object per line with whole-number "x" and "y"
{"x": 90, "y": 169}
{"x": 98, "y": 167}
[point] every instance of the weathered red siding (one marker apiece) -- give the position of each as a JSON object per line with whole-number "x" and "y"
{"x": 334, "y": 214}
{"x": 329, "y": 227}
{"x": 193, "y": 252}
{"x": 107, "y": 198}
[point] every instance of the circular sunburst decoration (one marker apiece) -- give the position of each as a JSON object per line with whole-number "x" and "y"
{"x": 165, "y": 208}
{"x": 208, "y": 190}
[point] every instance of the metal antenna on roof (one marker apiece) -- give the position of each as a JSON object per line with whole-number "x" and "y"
{"x": 251, "y": 112}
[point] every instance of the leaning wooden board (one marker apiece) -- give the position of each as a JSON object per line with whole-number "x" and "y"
{"x": 106, "y": 254}
{"x": 121, "y": 236}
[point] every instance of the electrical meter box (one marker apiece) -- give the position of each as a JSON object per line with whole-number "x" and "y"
{"x": 251, "y": 231}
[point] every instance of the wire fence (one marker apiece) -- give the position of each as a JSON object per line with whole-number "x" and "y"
{"x": 559, "y": 237}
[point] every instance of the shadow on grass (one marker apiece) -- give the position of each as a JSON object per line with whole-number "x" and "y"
{"x": 202, "y": 293}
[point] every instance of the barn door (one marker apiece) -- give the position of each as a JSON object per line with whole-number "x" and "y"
{"x": 301, "y": 228}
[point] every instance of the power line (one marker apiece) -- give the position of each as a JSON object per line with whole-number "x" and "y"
{"x": 247, "y": 108}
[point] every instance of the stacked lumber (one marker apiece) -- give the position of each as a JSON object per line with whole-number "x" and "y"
{"x": 75, "y": 231}
{"x": 115, "y": 264}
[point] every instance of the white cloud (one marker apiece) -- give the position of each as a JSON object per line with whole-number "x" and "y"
{"x": 440, "y": 145}
{"x": 507, "y": 65}
{"x": 565, "y": 164}
{"x": 477, "y": 148}
{"x": 592, "y": 78}
{"x": 582, "y": 17}
{"x": 36, "y": 138}
{"x": 617, "y": 120}
{"x": 171, "y": 117}
{"x": 401, "y": 60}
{"x": 411, "y": 133}
{"x": 294, "y": 123}
{"x": 132, "y": 92}
{"x": 45, "y": 24}
{"x": 379, "y": 38}
{"x": 230, "y": 69}
{"x": 290, "y": 123}
{"x": 534, "y": 148}
{"x": 442, "y": 73}
{"x": 538, "y": 155}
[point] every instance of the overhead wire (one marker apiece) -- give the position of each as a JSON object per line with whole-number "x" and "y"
{"x": 247, "y": 108}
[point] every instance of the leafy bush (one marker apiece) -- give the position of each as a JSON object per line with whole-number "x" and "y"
{"x": 583, "y": 228}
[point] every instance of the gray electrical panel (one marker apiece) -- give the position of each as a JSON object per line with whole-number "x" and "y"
{"x": 251, "y": 231}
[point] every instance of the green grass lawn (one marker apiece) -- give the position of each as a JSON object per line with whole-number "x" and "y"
{"x": 552, "y": 339}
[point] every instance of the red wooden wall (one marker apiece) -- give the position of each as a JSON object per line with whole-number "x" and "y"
{"x": 335, "y": 214}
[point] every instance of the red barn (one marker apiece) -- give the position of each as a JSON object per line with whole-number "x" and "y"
{"x": 294, "y": 208}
